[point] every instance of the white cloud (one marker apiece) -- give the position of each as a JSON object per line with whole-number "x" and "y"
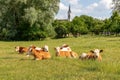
{"x": 62, "y": 12}
{"x": 63, "y": 7}
{"x": 99, "y": 9}
{"x": 91, "y": 7}
{"x": 73, "y": 2}
{"x": 106, "y": 3}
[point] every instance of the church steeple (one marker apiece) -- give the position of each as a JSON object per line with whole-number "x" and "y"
{"x": 69, "y": 13}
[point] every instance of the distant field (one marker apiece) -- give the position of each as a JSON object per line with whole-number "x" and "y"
{"x": 14, "y": 66}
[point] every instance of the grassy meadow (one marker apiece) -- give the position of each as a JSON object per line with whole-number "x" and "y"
{"x": 14, "y": 66}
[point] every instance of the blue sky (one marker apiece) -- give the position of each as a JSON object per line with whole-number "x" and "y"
{"x": 96, "y": 8}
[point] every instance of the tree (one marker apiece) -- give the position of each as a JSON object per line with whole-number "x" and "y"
{"x": 88, "y": 20}
{"x": 106, "y": 26}
{"x": 61, "y": 31}
{"x": 79, "y": 26}
{"x": 115, "y": 23}
{"x": 62, "y": 28}
{"x": 116, "y": 5}
{"x": 75, "y": 30}
{"x": 98, "y": 26}
{"x": 21, "y": 16}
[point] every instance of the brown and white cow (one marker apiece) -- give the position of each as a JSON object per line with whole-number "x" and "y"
{"x": 92, "y": 54}
{"x": 21, "y": 49}
{"x": 39, "y": 54}
{"x": 62, "y": 53}
{"x": 65, "y": 51}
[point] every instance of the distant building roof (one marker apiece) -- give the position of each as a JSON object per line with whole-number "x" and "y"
{"x": 62, "y": 19}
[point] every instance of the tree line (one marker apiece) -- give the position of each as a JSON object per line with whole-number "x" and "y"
{"x": 84, "y": 24}
{"x": 34, "y": 20}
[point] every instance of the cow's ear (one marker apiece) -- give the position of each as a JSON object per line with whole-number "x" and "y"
{"x": 101, "y": 50}
{"x": 33, "y": 46}
{"x": 66, "y": 45}
{"x": 16, "y": 46}
{"x": 91, "y": 51}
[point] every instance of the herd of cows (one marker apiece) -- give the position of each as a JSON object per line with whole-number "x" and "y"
{"x": 62, "y": 51}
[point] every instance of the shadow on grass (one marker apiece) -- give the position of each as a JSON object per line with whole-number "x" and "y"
{"x": 92, "y": 69}
{"x": 91, "y": 66}
{"x": 9, "y": 57}
{"x": 15, "y": 58}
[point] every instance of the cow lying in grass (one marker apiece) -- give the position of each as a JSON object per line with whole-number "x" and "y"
{"x": 65, "y": 51}
{"x": 93, "y": 54}
{"x": 21, "y": 50}
{"x": 39, "y": 53}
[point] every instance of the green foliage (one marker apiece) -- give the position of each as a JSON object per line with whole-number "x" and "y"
{"x": 116, "y": 6}
{"x": 106, "y": 25}
{"x": 17, "y": 15}
{"x": 62, "y": 28}
{"x": 74, "y": 30}
{"x": 98, "y": 26}
{"x": 115, "y": 22}
{"x": 61, "y": 31}
{"x": 81, "y": 25}
{"x": 88, "y": 21}
{"x": 7, "y": 34}
{"x": 31, "y": 15}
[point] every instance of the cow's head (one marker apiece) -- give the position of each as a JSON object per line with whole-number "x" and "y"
{"x": 45, "y": 48}
{"x": 57, "y": 49}
{"x": 17, "y": 48}
{"x": 97, "y": 52}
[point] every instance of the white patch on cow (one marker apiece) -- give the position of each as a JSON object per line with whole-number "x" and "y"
{"x": 37, "y": 48}
{"x": 69, "y": 48}
{"x": 83, "y": 55}
{"x": 64, "y": 49}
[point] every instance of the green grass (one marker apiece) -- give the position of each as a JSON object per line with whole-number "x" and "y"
{"x": 14, "y": 66}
